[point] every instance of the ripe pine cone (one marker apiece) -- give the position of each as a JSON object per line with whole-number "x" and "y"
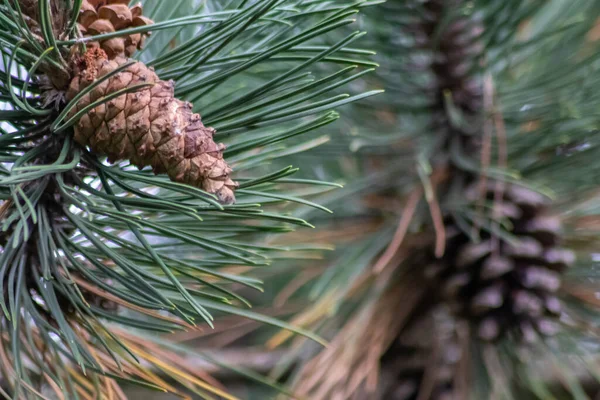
{"x": 507, "y": 284}
{"x": 149, "y": 127}
{"x": 421, "y": 362}
{"x": 105, "y": 16}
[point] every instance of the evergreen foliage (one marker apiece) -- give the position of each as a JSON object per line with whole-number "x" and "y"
{"x": 485, "y": 142}
{"x": 95, "y": 255}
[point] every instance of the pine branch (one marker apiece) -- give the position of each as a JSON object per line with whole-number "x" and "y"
{"x": 90, "y": 245}
{"x": 484, "y": 123}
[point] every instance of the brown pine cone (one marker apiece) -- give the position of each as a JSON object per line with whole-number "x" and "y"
{"x": 149, "y": 127}
{"x": 105, "y": 16}
{"x": 507, "y": 284}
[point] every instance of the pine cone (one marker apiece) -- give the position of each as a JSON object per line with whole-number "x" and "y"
{"x": 455, "y": 52}
{"x": 426, "y": 350}
{"x": 504, "y": 285}
{"x": 105, "y": 16}
{"x": 149, "y": 127}
{"x": 453, "y": 47}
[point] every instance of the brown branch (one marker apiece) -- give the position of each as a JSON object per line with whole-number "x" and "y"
{"x": 486, "y": 149}
{"x": 439, "y": 227}
{"x": 403, "y": 225}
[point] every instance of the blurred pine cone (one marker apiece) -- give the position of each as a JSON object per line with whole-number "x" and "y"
{"x": 456, "y": 50}
{"x": 506, "y": 283}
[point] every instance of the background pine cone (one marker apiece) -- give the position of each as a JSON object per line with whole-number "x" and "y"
{"x": 456, "y": 51}
{"x": 507, "y": 283}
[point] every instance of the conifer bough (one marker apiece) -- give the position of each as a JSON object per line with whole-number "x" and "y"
{"x": 489, "y": 82}
{"x": 89, "y": 250}
{"x": 500, "y": 286}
